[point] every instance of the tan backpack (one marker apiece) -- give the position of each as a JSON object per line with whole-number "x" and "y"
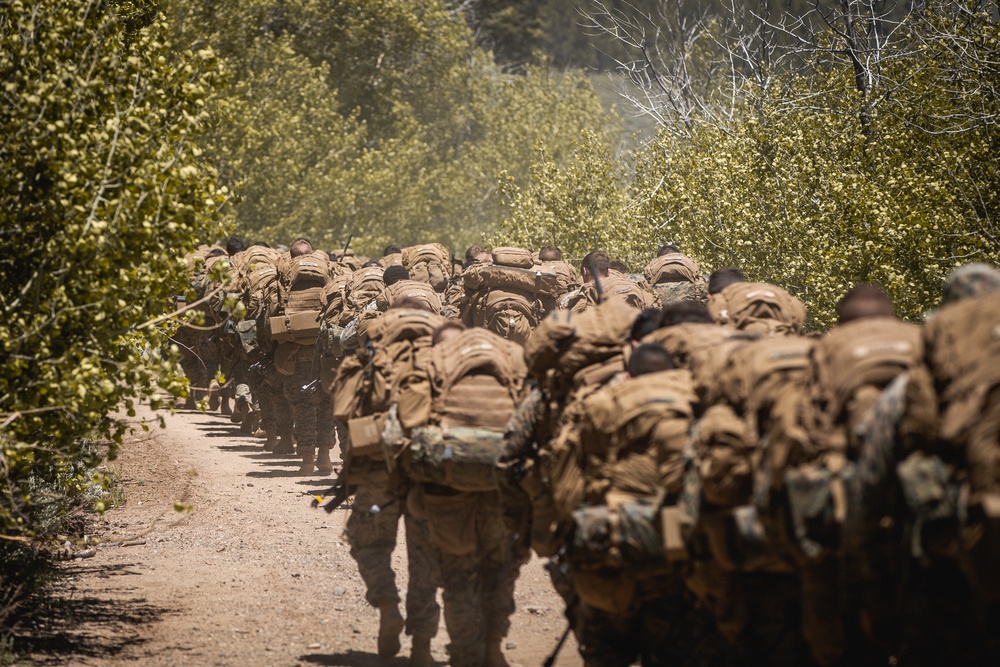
{"x": 476, "y": 380}
{"x": 508, "y": 301}
{"x": 614, "y": 287}
{"x": 690, "y": 339}
{"x": 566, "y": 275}
{"x": 633, "y": 435}
{"x": 368, "y": 383}
{"x": 422, "y": 292}
{"x": 428, "y": 263}
{"x": 759, "y": 373}
{"x": 759, "y": 307}
{"x": 306, "y": 271}
{"x": 673, "y": 268}
{"x": 568, "y": 343}
{"x": 364, "y": 287}
{"x": 260, "y": 290}
{"x": 869, "y": 352}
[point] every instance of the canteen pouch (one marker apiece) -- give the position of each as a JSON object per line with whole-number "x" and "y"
{"x": 366, "y": 435}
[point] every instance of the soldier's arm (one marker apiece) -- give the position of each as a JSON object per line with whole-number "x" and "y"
{"x": 519, "y": 434}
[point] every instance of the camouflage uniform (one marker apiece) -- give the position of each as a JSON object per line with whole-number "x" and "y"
{"x": 662, "y": 628}
{"x": 311, "y": 411}
{"x": 372, "y": 536}
{"x": 481, "y": 545}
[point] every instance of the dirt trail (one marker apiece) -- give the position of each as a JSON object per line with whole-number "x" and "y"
{"x": 249, "y": 575}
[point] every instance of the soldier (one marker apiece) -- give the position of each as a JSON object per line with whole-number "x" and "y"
{"x": 366, "y": 384}
{"x": 399, "y": 285}
{"x": 304, "y": 279}
{"x": 458, "y": 401}
{"x": 600, "y": 283}
{"x": 629, "y": 450}
{"x": 392, "y": 255}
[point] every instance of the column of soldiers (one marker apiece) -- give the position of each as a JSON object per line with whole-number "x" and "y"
{"x": 710, "y": 483}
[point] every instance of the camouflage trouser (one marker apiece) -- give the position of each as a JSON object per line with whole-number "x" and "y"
{"x": 275, "y": 412}
{"x": 661, "y": 628}
{"x": 311, "y": 407}
{"x": 482, "y": 549}
{"x": 372, "y": 536}
{"x": 199, "y": 358}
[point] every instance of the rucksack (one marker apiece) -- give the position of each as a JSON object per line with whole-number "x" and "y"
{"x": 367, "y": 383}
{"x": 428, "y": 263}
{"x": 306, "y": 271}
{"x": 633, "y": 434}
{"x": 566, "y": 275}
{"x": 868, "y": 352}
{"x": 757, "y": 373}
{"x": 568, "y": 343}
{"x": 627, "y": 464}
{"x": 673, "y": 268}
{"x": 687, "y": 340}
{"x": 508, "y": 301}
{"x": 422, "y": 292}
{"x": 302, "y": 300}
{"x": 963, "y": 359}
{"x": 614, "y": 286}
{"x": 260, "y": 290}
{"x": 760, "y": 307}
{"x": 364, "y": 287}
{"x": 475, "y": 382}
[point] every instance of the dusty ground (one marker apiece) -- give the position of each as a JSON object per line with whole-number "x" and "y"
{"x": 248, "y": 575}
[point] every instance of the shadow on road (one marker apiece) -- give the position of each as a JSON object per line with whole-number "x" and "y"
{"x": 60, "y": 629}
{"x": 354, "y": 659}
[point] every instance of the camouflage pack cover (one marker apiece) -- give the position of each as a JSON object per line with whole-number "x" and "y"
{"x": 626, "y": 535}
{"x": 463, "y": 458}
{"x": 675, "y": 292}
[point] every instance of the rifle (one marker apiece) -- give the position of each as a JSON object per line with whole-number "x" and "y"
{"x": 551, "y": 660}
{"x": 343, "y": 254}
{"x": 338, "y": 493}
{"x": 592, "y": 268}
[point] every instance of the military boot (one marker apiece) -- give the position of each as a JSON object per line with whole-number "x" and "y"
{"x": 214, "y": 398}
{"x": 284, "y": 446}
{"x": 308, "y": 466}
{"x": 390, "y": 624}
{"x": 420, "y": 653}
{"x": 324, "y": 465}
{"x": 249, "y": 424}
{"x": 271, "y": 443}
{"x": 226, "y": 408}
{"x": 494, "y": 654}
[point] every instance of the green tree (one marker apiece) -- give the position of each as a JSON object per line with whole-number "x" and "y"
{"x": 102, "y": 191}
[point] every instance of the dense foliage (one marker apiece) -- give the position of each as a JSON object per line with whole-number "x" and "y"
{"x": 380, "y": 119}
{"x": 102, "y": 190}
{"x": 871, "y": 159}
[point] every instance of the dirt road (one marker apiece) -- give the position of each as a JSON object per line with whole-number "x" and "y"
{"x": 247, "y": 574}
